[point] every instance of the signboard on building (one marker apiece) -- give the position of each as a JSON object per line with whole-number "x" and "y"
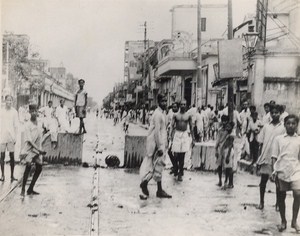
{"x": 230, "y": 58}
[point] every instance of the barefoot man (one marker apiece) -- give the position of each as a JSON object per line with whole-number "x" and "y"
{"x": 157, "y": 144}
{"x": 181, "y": 140}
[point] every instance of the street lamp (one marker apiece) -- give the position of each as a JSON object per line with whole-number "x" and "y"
{"x": 251, "y": 41}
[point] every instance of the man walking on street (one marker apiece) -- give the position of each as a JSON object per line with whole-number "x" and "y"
{"x": 31, "y": 152}
{"x": 154, "y": 161}
{"x": 266, "y": 138}
{"x": 9, "y": 128}
{"x": 181, "y": 140}
{"x": 169, "y": 119}
{"x": 286, "y": 150}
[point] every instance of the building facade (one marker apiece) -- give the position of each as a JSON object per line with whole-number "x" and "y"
{"x": 27, "y": 79}
{"x": 273, "y": 71}
{"x": 176, "y": 70}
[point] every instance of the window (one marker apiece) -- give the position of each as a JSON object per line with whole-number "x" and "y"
{"x": 203, "y": 24}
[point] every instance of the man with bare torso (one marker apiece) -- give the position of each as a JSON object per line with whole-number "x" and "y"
{"x": 180, "y": 136}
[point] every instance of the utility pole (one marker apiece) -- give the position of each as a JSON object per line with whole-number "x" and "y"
{"x": 230, "y": 94}
{"x": 261, "y": 22}
{"x": 144, "y": 70}
{"x": 199, "y": 90}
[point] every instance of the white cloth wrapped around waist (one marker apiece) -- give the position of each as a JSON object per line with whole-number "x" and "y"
{"x": 181, "y": 141}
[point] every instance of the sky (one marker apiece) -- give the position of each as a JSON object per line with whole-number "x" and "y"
{"x": 88, "y": 36}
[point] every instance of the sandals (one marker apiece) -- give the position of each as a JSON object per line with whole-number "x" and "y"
{"x": 2, "y": 178}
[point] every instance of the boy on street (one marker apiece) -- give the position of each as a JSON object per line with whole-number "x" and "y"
{"x": 286, "y": 150}
{"x": 223, "y": 134}
{"x": 32, "y": 152}
{"x": 266, "y": 138}
{"x": 80, "y": 105}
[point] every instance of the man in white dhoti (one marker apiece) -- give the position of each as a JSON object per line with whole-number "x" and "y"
{"x": 62, "y": 117}
{"x": 157, "y": 144}
{"x": 181, "y": 141}
{"x": 8, "y": 136}
{"x": 47, "y": 112}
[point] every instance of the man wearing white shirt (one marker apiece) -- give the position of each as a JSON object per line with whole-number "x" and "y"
{"x": 9, "y": 128}
{"x": 156, "y": 147}
{"x": 62, "y": 117}
{"x": 47, "y": 112}
{"x": 267, "y": 117}
{"x": 236, "y": 118}
{"x": 245, "y": 115}
{"x": 283, "y": 113}
{"x": 199, "y": 126}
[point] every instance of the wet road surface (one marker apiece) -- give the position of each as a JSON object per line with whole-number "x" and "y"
{"x": 198, "y": 206}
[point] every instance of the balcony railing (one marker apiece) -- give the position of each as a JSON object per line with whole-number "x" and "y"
{"x": 175, "y": 55}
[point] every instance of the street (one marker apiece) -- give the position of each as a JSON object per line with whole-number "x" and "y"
{"x": 198, "y": 206}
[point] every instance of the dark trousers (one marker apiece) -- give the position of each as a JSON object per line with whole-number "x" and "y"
{"x": 12, "y": 162}
{"x": 37, "y": 172}
{"x": 254, "y": 148}
{"x": 179, "y": 160}
{"x": 172, "y": 159}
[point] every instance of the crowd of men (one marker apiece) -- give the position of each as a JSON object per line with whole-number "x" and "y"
{"x": 36, "y": 125}
{"x": 270, "y": 141}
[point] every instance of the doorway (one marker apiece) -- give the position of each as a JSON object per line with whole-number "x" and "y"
{"x": 188, "y": 91}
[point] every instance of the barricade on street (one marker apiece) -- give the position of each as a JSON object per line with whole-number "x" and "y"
{"x": 134, "y": 151}
{"x": 203, "y": 156}
{"x": 68, "y": 149}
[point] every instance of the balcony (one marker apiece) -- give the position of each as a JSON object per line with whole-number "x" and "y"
{"x": 175, "y": 64}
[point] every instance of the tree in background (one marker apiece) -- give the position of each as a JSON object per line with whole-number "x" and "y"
{"x": 18, "y": 65}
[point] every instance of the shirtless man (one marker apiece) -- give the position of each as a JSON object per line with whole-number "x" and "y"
{"x": 180, "y": 138}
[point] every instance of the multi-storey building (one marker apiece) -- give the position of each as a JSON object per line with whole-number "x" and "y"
{"x": 176, "y": 68}
{"x": 273, "y": 70}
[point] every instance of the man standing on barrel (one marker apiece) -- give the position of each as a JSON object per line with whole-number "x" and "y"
{"x": 80, "y": 105}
